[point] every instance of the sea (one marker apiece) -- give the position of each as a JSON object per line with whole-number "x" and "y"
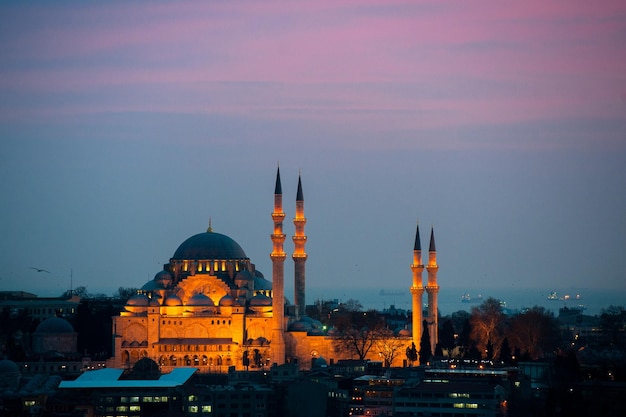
{"x": 591, "y": 300}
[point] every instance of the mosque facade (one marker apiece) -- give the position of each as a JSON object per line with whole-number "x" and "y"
{"x": 210, "y": 308}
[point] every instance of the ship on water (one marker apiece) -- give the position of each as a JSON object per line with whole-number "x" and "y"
{"x": 553, "y": 296}
{"x": 467, "y": 298}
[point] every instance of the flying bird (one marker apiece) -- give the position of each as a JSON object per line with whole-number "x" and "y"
{"x": 38, "y": 269}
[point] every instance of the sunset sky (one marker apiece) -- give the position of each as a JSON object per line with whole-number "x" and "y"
{"x": 125, "y": 126}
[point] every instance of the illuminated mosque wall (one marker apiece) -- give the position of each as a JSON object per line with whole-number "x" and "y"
{"x": 210, "y": 308}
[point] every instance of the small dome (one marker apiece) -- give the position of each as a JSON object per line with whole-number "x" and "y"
{"x": 316, "y": 331}
{"x": 320, "y": 362}
{"x": 404, "y": 332}
{"x": 7, "y": 366}
{"x": 55, "y": 325}
{"x": 227, "y": 301}
{"x": 139, "y": 300}
{"x": 300, "y": 326}
{"x": 9, "y": 376}
{"x": 260, "y": 300}
{"x": 173, "y": 300}
{"x": 163, "y": 279}
{"x": 200, "y": 300}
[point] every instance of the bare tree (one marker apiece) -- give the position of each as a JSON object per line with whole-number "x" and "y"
{"x": 487, "y": 322}
{"x": 358, "y": 331}
{"x": 388, "y": 346}
{"x": 534, "y": 331}
{"x": 352, "y": 305}
{"x": 124, "y": 293}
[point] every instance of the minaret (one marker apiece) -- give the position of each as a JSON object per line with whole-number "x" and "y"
{"x": 299, "y": 254}
{"x": 432, "y": 289}
{"x": 278, "y": 277}
{"x": 417, "y": 289}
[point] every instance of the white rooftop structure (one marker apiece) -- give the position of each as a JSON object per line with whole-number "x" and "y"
{"x": 109, "y": 378}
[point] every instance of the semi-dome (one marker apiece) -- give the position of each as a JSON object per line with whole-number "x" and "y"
{"x": 244, "y": 275}
{"x": 150, "y": 286}
{"x": 200, "y": 300}
{"x": 163, "y": 279}
{"x": 261, "y": 283}
{"x": 209, "y": 245}
{"x": 54, "y": 325}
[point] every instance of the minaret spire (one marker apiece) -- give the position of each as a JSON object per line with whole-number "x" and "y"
{"x": 417, "y": 289}
{"x": 278, "y": 276}
{"x": 432, "y": 288}
{"x": 299, "y": 254}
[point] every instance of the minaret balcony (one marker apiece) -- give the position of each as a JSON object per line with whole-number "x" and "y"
{"x": 299, "y": 239}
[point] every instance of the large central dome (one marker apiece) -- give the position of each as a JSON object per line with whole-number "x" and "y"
{"x": 209, "y": 245}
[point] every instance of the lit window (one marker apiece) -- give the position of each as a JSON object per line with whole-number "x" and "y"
{"x": 193, "y": 408}
{"x": 135, "y": 408}
{"x": 206, "y": 409}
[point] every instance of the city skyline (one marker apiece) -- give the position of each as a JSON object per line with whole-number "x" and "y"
{"x": 125, "y": 127}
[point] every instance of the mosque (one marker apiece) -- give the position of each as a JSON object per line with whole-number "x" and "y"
{"x": 210, "y": 308}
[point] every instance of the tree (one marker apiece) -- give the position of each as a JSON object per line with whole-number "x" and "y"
{"x": 388, "y": 346}
{"x": 446, "y": 337}
{"x": 425, "y": 352}
{"x": 358, "y": 331}
{"x": 505, "y": 352}
{"x": 464, "y": 336}
{"x": 534, "y": 331}
{"x": 411, "y": 354}
{"x": 487, "y": 321}
{"x": 124, "y": 293}
{"x": 613, "y": 324}
{"x": 352, "y": 305}
{"x": 245, "y": 360}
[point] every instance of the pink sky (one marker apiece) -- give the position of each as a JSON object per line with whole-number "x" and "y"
{"x": 411, "y": 64}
